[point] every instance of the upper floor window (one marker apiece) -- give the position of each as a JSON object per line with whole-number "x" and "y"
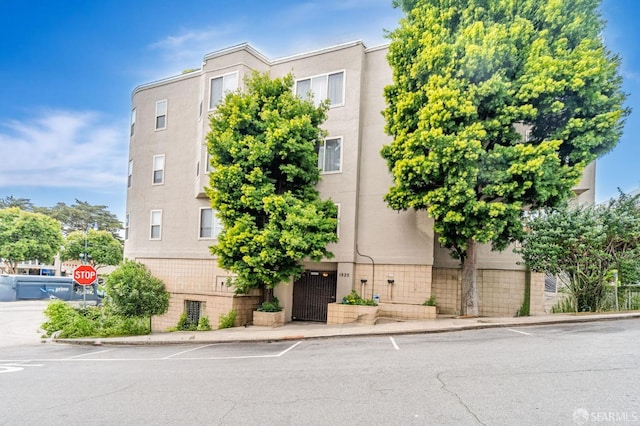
{"x": 210, "y": 225}
{"x": 156, "y": 225}
{"x": 330, "y": 155}
{"x": 133, "y": 121}
{"x": 220, "y": 86}
{"x": 126, "y": 226}
{"x": 130, "y": 174}
{"x": 158, "y": 169}
{"x": 338, "y": 220}
{"x": 161, "y": 114}
{"x": 321, "y": 87}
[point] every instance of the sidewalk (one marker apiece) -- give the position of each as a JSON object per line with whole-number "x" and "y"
{"x": 307, "y": 330}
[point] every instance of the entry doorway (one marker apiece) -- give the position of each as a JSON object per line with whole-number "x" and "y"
{"x": 311, "y": 294}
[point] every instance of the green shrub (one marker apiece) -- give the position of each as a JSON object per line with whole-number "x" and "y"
{"x": 431, "y": 301}
{"x": 354, "y": 299}
{"x": 228, "y": 320}
{"x": 90, "y": 322}
{"x": 203, "y": 324}
{"x": 270, "y": 306}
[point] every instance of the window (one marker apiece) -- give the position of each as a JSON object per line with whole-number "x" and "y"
{"x": 208, "y": 168}
{"x": 338, "y": 221}
{"x": 161, "y": 114}
{"x": 158, "y": 169}
{"x": 210, "y": 225}
{"x": 329, "y": 155}
{"x": 321, "y": 87}
{"x": 130, "y": 174}
{"x": 156, "y": 225}
{"x": 220, "y": 86}
{"x": 126, "y": 226}
{"x": 133, "y": 121}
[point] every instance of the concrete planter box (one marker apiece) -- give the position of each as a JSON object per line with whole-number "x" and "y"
{"x": 338, "y": 313}
{"x": 268, "y": 319}
{"x": 403, "y": 311}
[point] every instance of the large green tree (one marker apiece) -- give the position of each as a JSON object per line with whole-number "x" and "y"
{"x": 496, "y": 106}
{"x": 586, "y": 243}
{"x": 21, "y": 203}
{"x": 100, "y": 247}
{"x": 27, "y": 236}
{"x": 263, "y": 144}
{"x": 81, "y": 216}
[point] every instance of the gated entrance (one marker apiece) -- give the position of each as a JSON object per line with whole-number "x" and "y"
{"x": 311, "y": 294}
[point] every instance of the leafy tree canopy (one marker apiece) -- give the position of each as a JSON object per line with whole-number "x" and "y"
{"x": 21, "y": 203}
{"x": 263, "y": 143}
{"x": 586, "y": 243}
{"x": 102, "y": 248}
{"x": 135, "y": 292}
{"x": 27, "y": 236}
{"x": 467, "y": 76}
{"x": 82, "y": 216}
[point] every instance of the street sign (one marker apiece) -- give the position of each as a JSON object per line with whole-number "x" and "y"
{"x": 85, "y": 275}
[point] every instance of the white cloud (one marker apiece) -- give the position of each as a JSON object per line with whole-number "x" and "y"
{"x": 64, "y": 149}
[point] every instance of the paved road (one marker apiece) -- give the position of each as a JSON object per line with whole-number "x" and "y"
{"x": 556, "y": 374}
{"x": 20, "y": 322}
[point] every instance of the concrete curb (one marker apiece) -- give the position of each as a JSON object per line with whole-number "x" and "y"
{"x": 264, "y": 334}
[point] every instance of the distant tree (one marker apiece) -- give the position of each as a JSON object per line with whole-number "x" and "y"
{"x": 22, "y": 203}
{"x": 586, "y": 243}
{"x": 27, "y": 236}
{"x": 263, "y": 146}
{"x": 101, "y": 247}
{"x": 134, "y": 292}
{"x": 82, "y": 216}
{"x": 466, "y": 74}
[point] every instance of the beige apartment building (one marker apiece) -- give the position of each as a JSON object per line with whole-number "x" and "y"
{"x": 393, "y": 256}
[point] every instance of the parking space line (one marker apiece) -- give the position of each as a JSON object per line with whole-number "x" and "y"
{"x": 393, "y": 342}
{"x": 518, "y": 331}
{"x": 90, "y": 353}
{"x": 288, "y": 349}
{"x": 188, "y": 350}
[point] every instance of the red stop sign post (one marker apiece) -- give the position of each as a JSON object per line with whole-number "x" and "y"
{"x": 85, "y": 275}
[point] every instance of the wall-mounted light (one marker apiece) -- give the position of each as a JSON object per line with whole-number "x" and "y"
{"x": 363, "y": 280}
{"x": 325, "y": 274}
{"x": 390, "y": 279}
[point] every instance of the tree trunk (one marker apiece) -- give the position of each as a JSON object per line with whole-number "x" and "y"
{"x": 469, "y": 289}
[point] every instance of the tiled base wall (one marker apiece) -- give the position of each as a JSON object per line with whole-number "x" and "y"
{"x": 198, "y": 280}
{"x": 411, "y": 283}
{"x": 500, "y": 292}
{"x": 212, "y": 306}
{"x": 404, "y": 311}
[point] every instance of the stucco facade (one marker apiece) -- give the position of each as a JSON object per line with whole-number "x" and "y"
{"x": 383, "y": 253}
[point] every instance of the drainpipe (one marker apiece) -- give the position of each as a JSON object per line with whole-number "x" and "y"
{"x": 373, "y": 277}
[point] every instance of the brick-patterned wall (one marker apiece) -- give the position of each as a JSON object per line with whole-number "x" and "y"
{"x": 412, "y": 283}
{"x": 212, "y": 307}
{"x": 500, "y": 292}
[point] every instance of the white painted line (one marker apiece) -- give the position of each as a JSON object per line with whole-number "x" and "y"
{"x": 90, "y": 353}
{"x": 395, "y": 345}
{"x": 518, "y": 331}
{"x": 188, "y": 350}
{"x": 288, "y": 349}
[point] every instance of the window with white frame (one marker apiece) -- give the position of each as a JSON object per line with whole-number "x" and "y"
{"x": 161, "y": 114}
{"x": 158, "y": 169}
{"x": 209, "y": 168}
{"x": 127, "y": 218}
{"x": 133, "y": 121}
{"x": 156, "y": 225}
{"x": 130, "y": 174}
{"x": 210, "y": 225}
{"x": 330, "y": 155}
{"x": 220, "y": 86}
{"x": 321, "y": 87}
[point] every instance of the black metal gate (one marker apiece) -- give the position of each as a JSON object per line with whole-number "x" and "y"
{"x": 311, "y": 294}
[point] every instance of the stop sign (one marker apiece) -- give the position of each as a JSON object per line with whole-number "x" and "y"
{"x": 85, "y": 275}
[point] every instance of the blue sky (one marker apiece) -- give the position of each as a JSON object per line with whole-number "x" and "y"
{"x": 67, "y": 69}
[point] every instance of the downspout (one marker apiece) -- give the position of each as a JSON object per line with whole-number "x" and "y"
{"x": 373, "y": 275}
